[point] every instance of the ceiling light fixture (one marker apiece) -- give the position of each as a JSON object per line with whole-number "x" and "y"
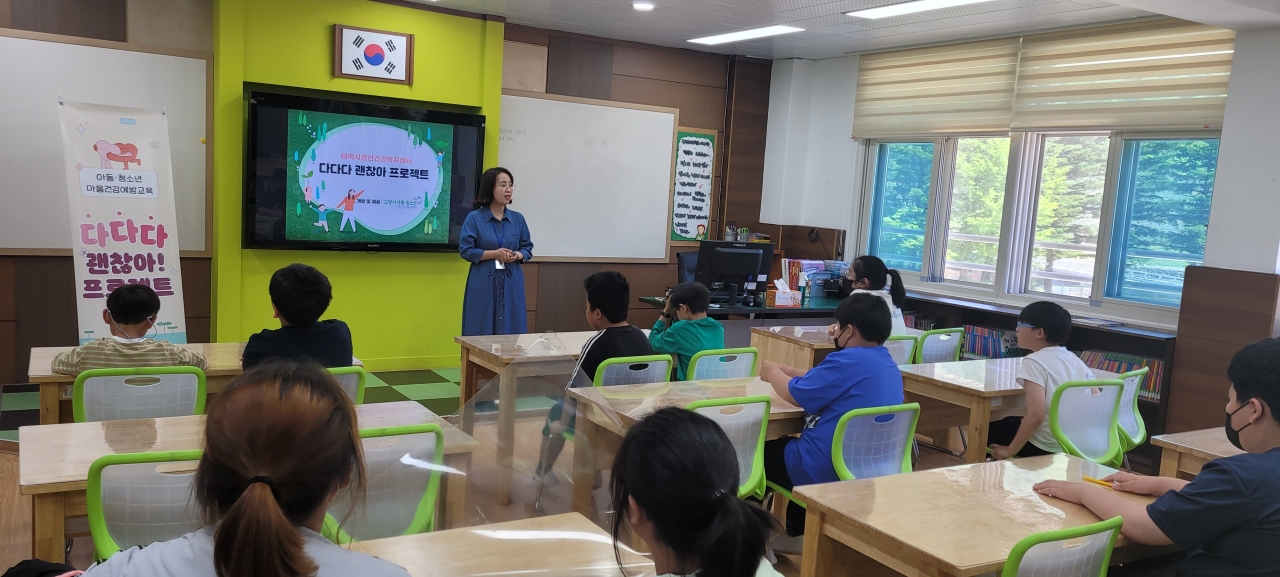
{"x": 642, "y": 6}
{"x": 746, "y": 35}
{"x": 909, "y": 8}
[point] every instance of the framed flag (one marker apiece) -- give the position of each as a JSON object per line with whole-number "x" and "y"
{"x": 366, "y": 54}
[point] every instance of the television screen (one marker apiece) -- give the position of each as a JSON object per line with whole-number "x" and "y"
{"x": 330, "y": 174}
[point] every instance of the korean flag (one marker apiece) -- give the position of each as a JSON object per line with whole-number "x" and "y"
{"x": 375, "y": 55}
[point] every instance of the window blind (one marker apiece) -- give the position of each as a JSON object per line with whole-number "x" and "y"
{"x": 947, "y": 89}
{"x": 1163, "y": 73}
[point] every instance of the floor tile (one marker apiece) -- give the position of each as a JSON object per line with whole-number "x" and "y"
{"x": 372, "y": 380}
{"x": 20, "y": 401}
{"x": 411, "y": 377}
{"x": 453, "y": 375}
{"x": 421, "y": 391}
{"x": 383, "y": 395}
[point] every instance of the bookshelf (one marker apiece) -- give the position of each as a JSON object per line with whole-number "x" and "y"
{"x": 1124, "y": 341}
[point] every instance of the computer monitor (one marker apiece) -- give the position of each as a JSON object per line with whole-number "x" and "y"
{"x": 729, "y": 269}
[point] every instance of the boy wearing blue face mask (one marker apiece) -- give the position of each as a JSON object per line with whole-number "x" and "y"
{"x": 1227, "y": 520}
{"x": 131, "y": 315}
{"x": 859, "y": 374}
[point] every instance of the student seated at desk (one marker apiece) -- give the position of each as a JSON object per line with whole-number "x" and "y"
{"x": 1227, "y": 521}
{"x": 130, "y": 314}
{"x": 859, "y": 374}
{"x": 608, "y": 297}
{"x": 675, "y": 481}
{"x": 1042, "y": 328}
{"x": 684, "y": 329}
{"x": 869, "y": 274}
{"x": 299, "y": 295}
{"x": 280, "y": 442}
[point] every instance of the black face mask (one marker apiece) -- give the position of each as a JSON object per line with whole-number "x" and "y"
{"x": 1233, "y": 435}
{"x": 836, "y": 339}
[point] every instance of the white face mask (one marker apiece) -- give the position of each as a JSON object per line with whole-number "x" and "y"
{"x": 151, "y": 319}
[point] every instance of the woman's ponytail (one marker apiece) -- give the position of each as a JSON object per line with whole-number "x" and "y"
{"x": 255, "y": 538}
{"x": 897, "y": 291}
{"x": 735, "y": 541}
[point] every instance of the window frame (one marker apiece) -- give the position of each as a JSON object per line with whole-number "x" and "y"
{"x": 1018, "y": 219}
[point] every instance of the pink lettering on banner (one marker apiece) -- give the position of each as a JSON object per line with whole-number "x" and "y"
{"x": 97, "y": 234}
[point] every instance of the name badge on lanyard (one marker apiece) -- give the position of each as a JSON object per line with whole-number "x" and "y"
{"x": 497, "y": 264}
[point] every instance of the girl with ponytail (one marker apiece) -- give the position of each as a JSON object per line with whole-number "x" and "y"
{"x": 675, "y": 482}
{"x": 280, "y": 442}
{"x": 869, "y": 274}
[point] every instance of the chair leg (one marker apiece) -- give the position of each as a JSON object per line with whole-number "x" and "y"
{"x": 1126, "y": 463}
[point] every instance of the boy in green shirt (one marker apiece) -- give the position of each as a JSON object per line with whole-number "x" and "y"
{"x": 684, "y": 329}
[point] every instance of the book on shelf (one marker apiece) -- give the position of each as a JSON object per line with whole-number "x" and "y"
{"x": 990, "y": 343}
{"x": 1123, "y": 363}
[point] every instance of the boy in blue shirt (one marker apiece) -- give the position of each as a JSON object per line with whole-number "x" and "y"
{"x": 859, "y": 374}
{"x": 1226, "y": 520}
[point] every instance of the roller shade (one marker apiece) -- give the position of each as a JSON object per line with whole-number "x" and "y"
{"x": 954, "y": 88}
{"x": 1163, "y": 73}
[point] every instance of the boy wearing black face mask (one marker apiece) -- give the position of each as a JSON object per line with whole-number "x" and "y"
{"x": 859, "y": 374}
{"x": 1228, "y": 519}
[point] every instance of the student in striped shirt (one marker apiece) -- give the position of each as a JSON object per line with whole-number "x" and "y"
{"x": 131, "y": 313}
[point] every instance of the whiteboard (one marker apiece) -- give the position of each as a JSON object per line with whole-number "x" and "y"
{"x": 33, "y": 74}
{"x": 593, "y": 178}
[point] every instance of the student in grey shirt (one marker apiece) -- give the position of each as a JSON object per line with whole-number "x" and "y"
{"x": 280, "y": 442}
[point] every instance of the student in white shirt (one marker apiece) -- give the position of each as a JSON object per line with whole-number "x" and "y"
{"x": 675, "y": 481}
{"x": 280, "y": 442}
{"x": 1042, "y": 328}
{"x": 869, "y": 274}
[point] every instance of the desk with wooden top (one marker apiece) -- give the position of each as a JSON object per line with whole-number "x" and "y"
{"x": 567, "y": 544}
{"x": 605, "y": 414}
{"x": 55, "y": 388}
{"x": 968, "y": 394}
{"x": 53, "y": 466}
{"x": 957, "y": 521}
{"x": 799, "y": 347}
{"x": 224, "y": 365}
{"x": 1184, "y": 454}
{"x": 512, "y": 357}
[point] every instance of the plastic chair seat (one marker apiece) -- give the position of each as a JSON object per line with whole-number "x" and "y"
{"x": 1059, "y": 554}
{"x": 351, "y": 379}
{"x": 901, "y": 348}
{"x": 1082, "y": 416}
{"x": 744, "y": 420}
{"x": 136, "y": 499}
{"x": 634, "y": 371}
{"x": 724, "y": 364}
{"x": 138, "y": 393}
{"x": 402, "y": 468}
{"x": 939, "y": 346}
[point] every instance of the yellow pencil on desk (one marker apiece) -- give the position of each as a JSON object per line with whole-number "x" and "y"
{"x": 1097, "y": 482}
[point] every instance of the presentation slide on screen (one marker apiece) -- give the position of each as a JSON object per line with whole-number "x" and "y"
{"x": 366, "y": 179}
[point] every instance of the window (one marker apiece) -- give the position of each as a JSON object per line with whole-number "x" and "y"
{"x": 1162, "y": 213}
{"x": 1068, "y": 211}
{"x": 977, "y": 203}
{"x": 904, "y": 171}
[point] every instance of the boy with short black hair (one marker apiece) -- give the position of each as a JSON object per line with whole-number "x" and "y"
{"x": 859, "y": 374}
{"x": 684, "y": 329}
{"x": 608, "y": 298}
{"x": 1042, "y": 328}
{"x": 131, "y": 313}
{"x": 299, "y": 295}
{"x": 1226, "y": 520}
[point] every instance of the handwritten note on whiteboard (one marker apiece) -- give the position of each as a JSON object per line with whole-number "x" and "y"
{"x": 695, "y": 165}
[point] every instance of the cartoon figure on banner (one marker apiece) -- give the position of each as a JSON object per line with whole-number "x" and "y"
{"x": 702, "y": 232}
{"x": 118, "y": 152}
{"x": 324, "y": 221}
{"x": 348, "y": 206}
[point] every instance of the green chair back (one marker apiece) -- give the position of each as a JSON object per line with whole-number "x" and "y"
{"x": 138, "y": 393}
{"x": 724, "y": 364}
{"x": 1133, "y": 431}
{"x": 128, "y": 487}
{"x": 634, "y": 371}
{"x": 351, "y": 379}
{"x": 746, "y": 429}
{"x": 902, "y": 348}
{"x": 874, "y": 442}
{"x": 1082, "y": 416}
{"x": 1049, "y": 554}
{"x": 939, "y": 346}
{"x": 402, "y": 475}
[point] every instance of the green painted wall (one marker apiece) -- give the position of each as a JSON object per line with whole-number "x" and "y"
{"x": 404, "y": 309}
